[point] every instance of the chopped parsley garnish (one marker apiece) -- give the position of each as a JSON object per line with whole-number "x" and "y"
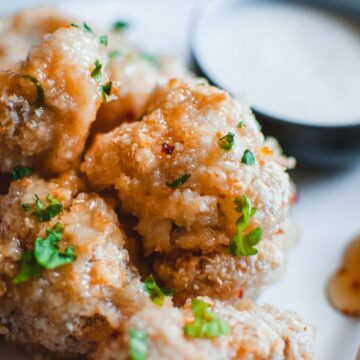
{"x": 227, "y": 142}
{"x": 96, "y": 73}
{"x": 47, "y": 252}
{"x": 28, "y": 268}
{"x": 206, "y": 323}
{"x": 153, "y": 60}
{"x": 39, "y": 102}
{"x": 26, "y": 206}
{"x": 104, "y": 40}
{"x": 46, "y": 255}
{"x": 106, "y": 90}
{"x": 21, "y": 171}
{"x": 156, "y": 293}
{"x": 138, "y": 344}
{"x": 179, "y": 181}
{"x": 84, "y": 27}
{"x": 241, "y": 124}
{"x": 120, "y": 25}
{"x": 243, "y": 244}
{"x": 54, "y": 208}
{"x": 114, "y": 54}
{"x": 248, "y": 158}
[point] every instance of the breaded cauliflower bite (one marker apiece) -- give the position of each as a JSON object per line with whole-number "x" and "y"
{"x": 179, "y": 170}
{"x": 254, "y": 332}
{"x": 25, "y": 29}
{"x": 81, "y": 286}
{"x": 171, "y": 171}
{"x": 135, "y": 75}
{"x": 48, "y": 105}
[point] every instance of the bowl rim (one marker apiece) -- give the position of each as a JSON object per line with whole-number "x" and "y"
{"x": 200, "y": 14}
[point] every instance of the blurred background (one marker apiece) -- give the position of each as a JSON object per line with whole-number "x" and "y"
{"x": 297, "y": 63}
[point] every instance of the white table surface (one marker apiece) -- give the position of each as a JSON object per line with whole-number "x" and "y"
{"x": 328, "y": 211}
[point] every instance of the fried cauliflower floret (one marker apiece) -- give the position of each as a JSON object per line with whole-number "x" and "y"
{"x": 256, "y": 332}
{"x": 220, "y": 275}
{"x": 25, "y": 29}
{"x": 69, "y": 308}
{"x": 135, "y": 75}
{"x": 48, "y": 131}
{"x": 144, "y": 161}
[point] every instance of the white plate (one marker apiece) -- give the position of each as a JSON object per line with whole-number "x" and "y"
{"x": 328, "y": 212}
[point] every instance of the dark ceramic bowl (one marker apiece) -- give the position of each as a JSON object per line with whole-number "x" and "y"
{"x": 312, "y": 145}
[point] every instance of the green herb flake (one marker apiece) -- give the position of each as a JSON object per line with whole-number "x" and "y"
{"x": 120, "y": 25}
{"x": 26, "y": 206}
{"x": 20, "y": 172}
{"x": 227, "y": 142}
{"x": 243, "y": 244}
{"x": 179, "y": 181}
{"x": 153, "y": 60}
{"x": 46, "y": 255}
{"x": 104, "y": 40}
{"x": 106, "y": 90}
{"x": 138, "y": 344}
{"x": 54, "y": 208}
{"x": 115, "y": 54}
{"x": 96, "y": 73}
{"x": 84, "y": 26}
{"x": 28, "y": 268}
{"x": 241, "y": 124}
{"x": 206, "y": 323}
{"x": 156, "y": 293}
{"x": 47, "y": 252}
{"x": 248, "y": 158}
{"x": 39, "y": 102}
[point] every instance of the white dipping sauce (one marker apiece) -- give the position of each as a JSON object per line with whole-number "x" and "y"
{"x": 291, "y": 61}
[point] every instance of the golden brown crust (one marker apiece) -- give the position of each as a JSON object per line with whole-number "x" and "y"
{"x": 52, "y": 137}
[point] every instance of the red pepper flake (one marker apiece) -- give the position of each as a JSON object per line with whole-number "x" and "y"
{"x": 167, "y": 149}
{"x": 240, "y": 294}
{"x": 294, "y": 198}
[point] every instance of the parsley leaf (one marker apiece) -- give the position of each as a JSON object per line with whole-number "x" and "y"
{"x": 21, "y": 171}
{"x": 156, "y": 293}
{"x": 243, "y": 244}
{"x": 39, "y": 102}
{"x": 28, "y": 268}
{"x": 241, "y": 124}
{"x": 120, "y": 25}
{"x": 106, "y": 90}
{"x": 179, "y": 181}
{"x": 248, "y": 158}
{"x": 96, "y": 73}
{"x": 54, "y": 208}
{"x": 114, "y": 54}
{"x": 26, "y": 206}
{"x": 84, "y": 27}
{"x": 206, "y": 323}
{"x": 46, "y": 251}
{"x": 227, "y": 142}
{"x": 138, "y": 344}
{"x": 46, "y": 255}
{"x": 104, "y": 40}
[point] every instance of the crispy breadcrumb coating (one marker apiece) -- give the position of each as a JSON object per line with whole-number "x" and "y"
{"x": 135, "y": 75}
{"x": 49, "y": 134}
{"x": 67, "y": 309}
{"x": 221, "y": 275}
{"x": 199, "y": 214}
{"x": 256, "y": 332}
